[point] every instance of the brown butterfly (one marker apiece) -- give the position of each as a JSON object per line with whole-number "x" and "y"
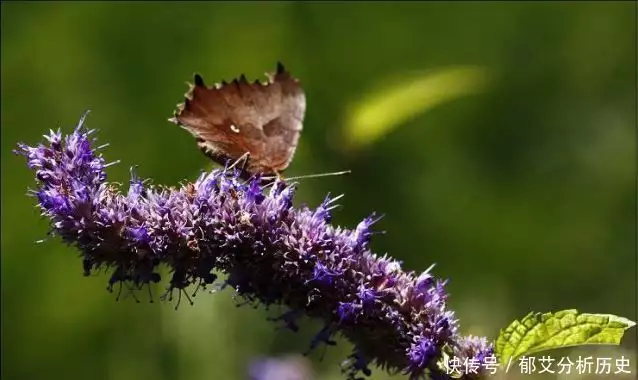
{"x": 238, "y": 118}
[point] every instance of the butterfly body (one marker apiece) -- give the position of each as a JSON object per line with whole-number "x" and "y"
{"x": 232, "y": 119}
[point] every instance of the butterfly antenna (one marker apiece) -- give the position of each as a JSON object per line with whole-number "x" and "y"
{"x": 319, "y": 175}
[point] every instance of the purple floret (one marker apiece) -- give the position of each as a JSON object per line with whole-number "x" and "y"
{"x": 280, "y": 368}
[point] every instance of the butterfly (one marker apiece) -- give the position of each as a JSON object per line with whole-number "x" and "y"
{"x": 258, "y": 122}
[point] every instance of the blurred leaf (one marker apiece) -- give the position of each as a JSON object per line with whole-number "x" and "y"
{"x": 403, "y": 98}
{"x": 539, "y": 332}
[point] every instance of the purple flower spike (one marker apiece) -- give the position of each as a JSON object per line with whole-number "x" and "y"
{"x": 271, "y": 252}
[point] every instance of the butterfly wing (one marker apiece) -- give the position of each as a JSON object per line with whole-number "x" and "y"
{"x": 232, "y": 119}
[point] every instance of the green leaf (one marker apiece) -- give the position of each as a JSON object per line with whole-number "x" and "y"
{"x": 402, "y": 98}
{"x": 539, "y": 332}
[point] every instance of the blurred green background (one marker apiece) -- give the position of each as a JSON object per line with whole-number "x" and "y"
{"x": 497, "y": 138}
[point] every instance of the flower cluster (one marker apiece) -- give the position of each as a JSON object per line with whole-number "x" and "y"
{"x": 271, "y": 253}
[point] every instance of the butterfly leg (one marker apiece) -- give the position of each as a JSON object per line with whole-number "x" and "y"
{"x": 243, "y": 160}
{"x": 270, "y": 180}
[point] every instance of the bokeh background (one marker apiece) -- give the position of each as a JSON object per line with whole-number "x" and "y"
{"x": 497, "y": 138}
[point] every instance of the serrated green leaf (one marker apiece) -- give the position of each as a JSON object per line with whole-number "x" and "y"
{"x": 539, "y": 332}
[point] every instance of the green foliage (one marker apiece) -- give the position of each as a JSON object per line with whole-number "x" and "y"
{"x": 403, "y": 98}
{"x": 545, "y": 331}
